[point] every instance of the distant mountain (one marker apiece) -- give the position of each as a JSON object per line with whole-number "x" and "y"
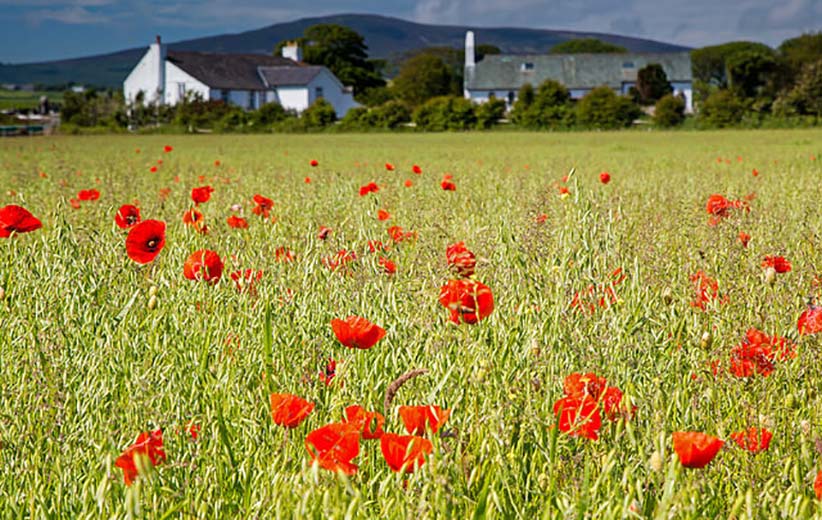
{"x": 386, "y": 38}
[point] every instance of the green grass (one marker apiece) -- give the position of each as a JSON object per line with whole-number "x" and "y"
{"x": 18, "y": 99}
{"x": 86, "y": 365}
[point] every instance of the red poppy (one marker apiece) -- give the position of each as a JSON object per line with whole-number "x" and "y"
{"x": 604, "y": 177}
{"x": 329, "y": 372}
{"x": 314, "y": 163}
{"x": 706, "y": 289}
{"x": 368, "y": 424}
{"x": 398, "y": 234}
{"x": 288, "y": 410}
{"x": 371, "y": 187}
{"x": 466, "y": 300}
{"x": 340, "y": 259}
{"x": 201, "y": 194}
{"x": 417, "y": 418}
{"x": 404, "y": 452}
{"x": 87, "y": 195}
{"x": 193, "y": 430}
{"x": 237, "y": 222}
{"x": 75, "y": 203}
{"x": 810, "y": 321}
{"x": 167, "y": 148}
{"x": 127, "y": 216}
{"x": 149, "y": 447}
{"x": 324, "y": 232}
{"x": 744, "y": 238}
{"x": 460, "y": 258}
{"x": 416, "y": 169}
{"x": 262, "y": 205}
{"x": 578, "y": 385}
{"x": 383, "y": 215}
{"x": 578, "y": 416}
{"x": 203, "y": 265}
{"x": 333, "y": 446}
{"x": 817, "y": 485}
{"x": 245, "y": 280}
{"x": 307, "y": 180}
{"x": 753, "y": 439}
{"x": 376, "y": 245}
{"x": 696, "y": 449}
{"x": 195, "y": 219}
{"x": 16, "y": 219}
{"x": 389, "y": 167}
{"x": 448, "y": 185}
{"x": 357, "y": 332}
{"x": 612, "y": 404}
{"x": 153, "y": 169}
{"x": 778, "y": 263}
{"x": 542, "y": 218}
{"x": 408, "y": 183}
{"x": 145, "y": 241}
{"x": 755, "y": 172}
{"x": 564, "y": 191}
{"x": 387, "y": 265}
{"x": 281, "y": 254}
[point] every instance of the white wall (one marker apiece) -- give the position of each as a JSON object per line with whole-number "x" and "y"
{"x": 144, "y": 77}
{"x": 685, "y": 88}
{"x": 293, "y": 98}
{"x": 175, "y": 77}
{"x": 332, "y": 91}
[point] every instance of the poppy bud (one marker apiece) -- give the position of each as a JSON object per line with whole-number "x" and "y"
{"x": 152, "y": 291}
{"x": 706, "y": 340}
{"x": 656, "y": 461}
{"x": 770, "y": 275}
{"x": 805, "y": 426}
{"x": 152, "y": 302}
{"x": 2, "y": 294}
{"x": 667, "y": 296}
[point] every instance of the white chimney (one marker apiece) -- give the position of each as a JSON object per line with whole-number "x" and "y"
{"x": 292, "y": 51}
{"x": 158, "y": 53}
{"x": 470, "y": 59}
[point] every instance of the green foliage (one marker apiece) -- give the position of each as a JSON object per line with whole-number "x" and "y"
{"x": 93, "y": 108}
{"x": 669, "y": 111}
{"x": 267, "y": 115}
{"x": 320, "y": 114}
{"x": 801, "y": 51}
{"x": 602, "y": 108}
{"x": 445, "y": 113}
{"x": 709, "y": 64}
{"x": 722, "y": 109}
{"x": 489, "y": 113}
{"x": 586, "y": 46}
{"x": 652, "y": 84}
{"x": 482, "y": 50}
{"x": 749, "y": 71}
{"x": 548, "y": 108}
{"x": 194, "y": 113}
{"x": 388, "y": 116}
{"x": 376, "y": 96}
{"x": 343, "y": 52}
{"x": 421, "y": 78}
{"x": 805, "y": 98}
{"x": 235, "y": 120}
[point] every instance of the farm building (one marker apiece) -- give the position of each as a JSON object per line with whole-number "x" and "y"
{"x": 502, "y": 75}
{"x": 245, "y": 80}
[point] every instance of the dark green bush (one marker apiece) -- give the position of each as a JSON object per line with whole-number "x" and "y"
{"x": 490, "y": 112}
{"x": 722, "y": 109}
{"x": 319, "y": 115}
{"x": 669, "y": 111}
{"x": 445, "y": 113}
{"x": 602, "y": 108}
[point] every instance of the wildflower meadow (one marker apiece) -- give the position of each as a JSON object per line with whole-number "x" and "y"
{"x": 490, "y": 325}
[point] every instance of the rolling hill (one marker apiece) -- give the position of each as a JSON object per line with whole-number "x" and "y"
{"x": 386, "y": 37}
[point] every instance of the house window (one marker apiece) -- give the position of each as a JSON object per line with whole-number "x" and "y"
{"x": 628, "y": 65}
{"x": 510, "y": 97}
{"x": 251, "y": 95}
{"x": 224, "y": 95}
{"x": 181, "y": 90}
{"x": 527, "y": 66}
{"x": 318, "y": 92}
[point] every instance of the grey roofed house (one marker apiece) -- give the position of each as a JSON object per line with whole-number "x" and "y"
{"x": 285, "y": 76}
{"x": 228, "y": 71}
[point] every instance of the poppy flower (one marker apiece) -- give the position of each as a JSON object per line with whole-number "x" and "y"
{"x": 817, "y": 485}
{"x": 612, "y": 404}
{"x": 371, "y": 187}
{"x": 387, "y": 265}
{"x": 333, "y": 446}
{"x": 461, "y": 259}
{"x": 153, "y": 169}
{"x": 755, "y": 172}
{"x": 416, "y": 169}
{"x": 201, "y": 194}
{"x": 778, "y": 263}
{"x": 398, "y": 234}
{"x": 368, "y": 424}
{"x": 404, "y": 452}
{"x": 448, "y": 185}
{"x": 127, "y": 216}
{"x": 262, "y": 205}
{"x": 408, "y": 183}
{"x": 340, "y": 259}
{"x": 87, "y": 195}
{"x": 288, "y": 410}
{"x": 383, "y": 215}
{"x": 145, "y": 241}
{"x": 578, "y": 385}
{"x": 245, "y": 280}
{"x": 281, "y": 254}
{"x": 604, "y": 177}
{"x": 466, "y": 300}
{"x": 357, "y": 332}
{"x": 237, "y": 222}
{"x": 417, "y": 418}
{"x": 195, "y": 219}
{"x": 324, "y": 232}
{"x": 328, "y": 374}
{"x": 314, "y": 163}
{"x": 203, "y": 265}
{"x": 167, "y": 148}
{"x": 706, "y": 290}
{"x": 75, "y": 203}
{"x": 564, "y": 191}
{"x": 193, "y": 430}
{"x": 307, "y": 180}
{"x": 16, "y": 219}
{"x": 542, "y": 218}
{"x": 376, "y": 245}
{"x": 810, "y": 321}
{"x": 753, "y": 439}
{"x": 744, "y": 238}
{"x": 149, "y": 447}
{"x": 578, "y": 416}
{"x": 696, "y": 449}
{"x": 389, "y": 167}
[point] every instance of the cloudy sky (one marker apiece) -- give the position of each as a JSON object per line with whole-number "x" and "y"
{"x": 36, "y": 30}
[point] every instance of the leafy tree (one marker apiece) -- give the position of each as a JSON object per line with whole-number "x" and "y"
{"x": 722, "y": 109}
{"x": 520, "y": 110}
{"x": 749, "y": 71}
{"x": 801, "y": 51}
{"x": 805, "y": 98}
{"x": 586, "y": 45}
{"x": 652, "y": 84}
{"x": 669, "y": 111}
{"x": 709, "y": 63}
{"x": 550, "y": 107}
{"x": 482, "y": 50}
{"x": 343, "y": 51}
{"x": 602, "y": 108}
{"x": 421, "y": 78}
{"x": 267, "y": 115}
{"x": 445, "y": 113}
{"x": 490, "y": 112}
{"x": 319, "y": 115}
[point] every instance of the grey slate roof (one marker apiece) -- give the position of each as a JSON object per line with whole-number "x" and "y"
{"x": 289, "y": 76}
{"x": 228, "y": 71}
{"x": 575, "y": 71}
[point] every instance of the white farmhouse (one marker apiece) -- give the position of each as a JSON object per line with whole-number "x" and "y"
{"x": 503, "y": 74}
{"x": 246, "y": 80}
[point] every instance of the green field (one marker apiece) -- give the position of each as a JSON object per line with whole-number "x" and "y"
{"x": 21, "y": 100}
{"x": 86, "y": 363}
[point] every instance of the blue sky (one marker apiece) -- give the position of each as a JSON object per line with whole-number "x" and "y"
{"x": 37, "y": 30}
